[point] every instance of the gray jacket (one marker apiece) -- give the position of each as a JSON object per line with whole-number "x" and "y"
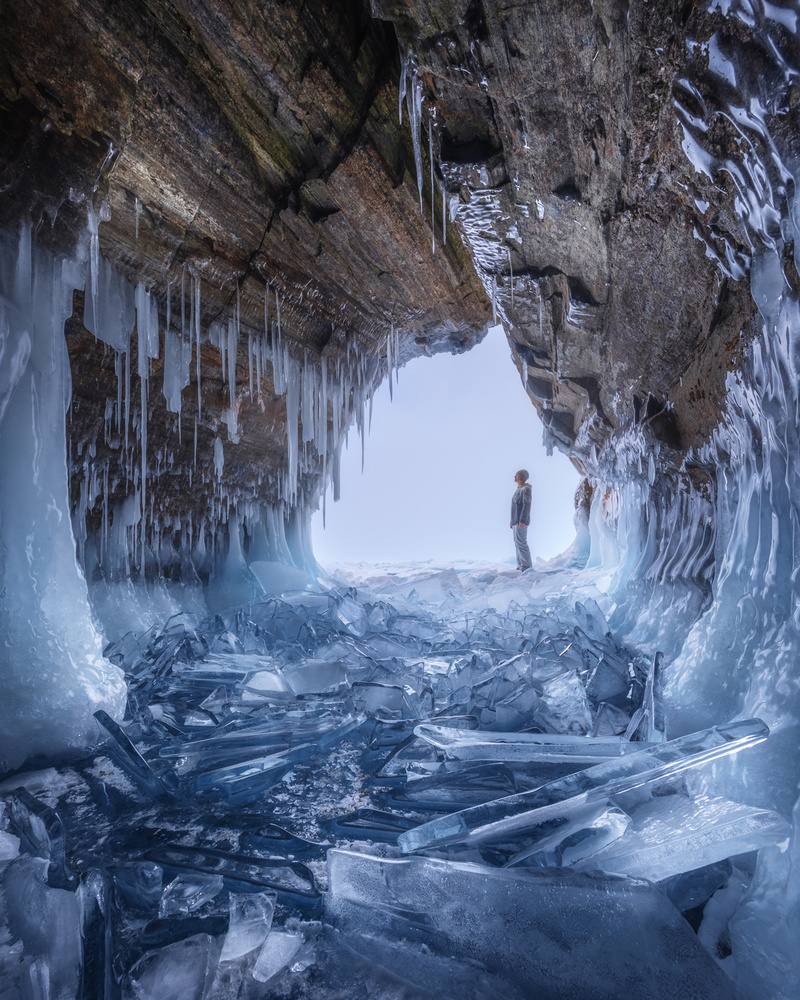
{"x": 521, "y": 505}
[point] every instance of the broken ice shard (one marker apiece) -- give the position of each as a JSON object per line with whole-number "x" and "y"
{"x": 279, "y": 949}
{"x": 183, "y": 969}
{"x": 559, "y": 799}
{"x": 41, "y": 833}
{"x": 250, "y": 921}
{"x": 273, "y": 841}
{"x": 583, "y": 835}
{"x": 125, "y": 754}
{"x": 370, "y": 824}
{"x": 242, "y": 782}
{"x": 97, "y": 978}
{"x": 647, "y": 722}
{"x": 43, "y": 926}
{"x": 544, "y": 933}
{"x": 673, "y": 834}
{"x": 290, "y": 877}
{"x": 457, "y": 744}
{"x": 139, "y": 883}
{"x": 188, "y": 893}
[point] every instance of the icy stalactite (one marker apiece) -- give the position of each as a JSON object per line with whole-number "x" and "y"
{"x": 54, "y": 672}
{"x": 433, "y": 188}
{"x": 411, "y": 88}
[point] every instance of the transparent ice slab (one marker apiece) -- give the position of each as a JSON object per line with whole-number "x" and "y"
{"x": 674, "y": 834}
{"x": 460, "y": 745}
{"x": 240, "y": 783}
{"x": 290, "y": 878}
{"x": 180, "y": 971}
{"x": 41, "y": 833}
{"x": 581, "y": 837}
{"x": 558, "y": 800}
{"x": 278, "y": 951}
{"x": 538, "y": 934}
{"x": 370, "y": 824}
{"x": 125, "y": 754}
{"x": 188, "y": 892}
{"x": 47, "y": 924}
{"x": 249, "y": 923}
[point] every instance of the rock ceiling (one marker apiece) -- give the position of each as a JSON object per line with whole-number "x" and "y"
{"x": 255, "y": 149}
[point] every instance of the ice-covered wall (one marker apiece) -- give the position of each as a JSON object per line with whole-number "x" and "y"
{"x": 53, "y": 672}
{"x": 710, "y": 572}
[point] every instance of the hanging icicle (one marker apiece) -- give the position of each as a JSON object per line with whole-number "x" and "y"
{"x": 196, "y": 312}
{"x": 433, "y": 189}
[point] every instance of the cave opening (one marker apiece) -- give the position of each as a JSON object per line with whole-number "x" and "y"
{"x": 438, "y": 467}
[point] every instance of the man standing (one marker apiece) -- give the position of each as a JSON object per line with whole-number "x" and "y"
{"x": 521, "y": 518}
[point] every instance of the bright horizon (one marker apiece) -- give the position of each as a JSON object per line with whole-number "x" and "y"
{"x": 439, "y": 468}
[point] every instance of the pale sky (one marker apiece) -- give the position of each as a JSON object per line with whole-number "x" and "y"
{"x": 439, "y": 469}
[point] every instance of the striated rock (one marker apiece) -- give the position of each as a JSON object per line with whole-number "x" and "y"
{"x": 225, "y": 156}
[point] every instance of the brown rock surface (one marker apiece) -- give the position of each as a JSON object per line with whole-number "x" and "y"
{"x": 250, "y": 146}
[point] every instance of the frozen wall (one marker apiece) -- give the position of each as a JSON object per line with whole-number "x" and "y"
{"x": 707, "y": 556}
{"x": 53, "y": 672}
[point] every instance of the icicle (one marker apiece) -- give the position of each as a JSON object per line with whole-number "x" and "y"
{"x": 324, "y": 408}
{"x": 414, "y": 105}
{"x": 433, "y": 189}
{"x": 510, "y": 275}
{"x": 219, "y": 458}
{"x": 403, "y": 85}
{"x": 258, "y": 369}
{"x": 127, "y": 396}
{"x": 142, "y": 326}
{"x": 196, "y": 280}
{"x": 94, "y": 262}
{"x": 118, "y": 373}
{"x": 194, "y": 461}
{"x": 233, "y": 350}
{"x": 292, "y": 422}
{"x": 541, "y": 307}
{"x": 389, "y": 360}
{"x": 444, "y": 212}
{"x": 250, "y": 362}
{"x": 494, "y": 298}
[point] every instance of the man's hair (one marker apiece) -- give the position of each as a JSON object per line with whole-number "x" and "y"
{"x": 523, "y": 474}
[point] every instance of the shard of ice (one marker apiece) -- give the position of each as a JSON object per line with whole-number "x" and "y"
{"x": 292, "y": 878}
{"x": 673, "y": 834}
{"x": 41, "y": 833}
{"x": 560, "y": 798}
{"x": 457, "y": 745}
{"x": 551, "y": 933}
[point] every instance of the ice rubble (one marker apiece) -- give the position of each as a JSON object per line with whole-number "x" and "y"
{"x": 184, "y": 857}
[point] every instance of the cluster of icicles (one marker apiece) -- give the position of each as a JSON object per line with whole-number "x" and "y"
{"x": 324, "y": 398}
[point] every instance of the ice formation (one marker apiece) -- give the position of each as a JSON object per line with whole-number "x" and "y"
{"x": 538, "y": 774}
{"x": 344, "y": 725}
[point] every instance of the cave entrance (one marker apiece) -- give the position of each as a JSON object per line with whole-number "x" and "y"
{"x": 439, "y": 467}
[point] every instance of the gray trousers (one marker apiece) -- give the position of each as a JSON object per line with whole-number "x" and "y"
{"x": 521, "y": 544}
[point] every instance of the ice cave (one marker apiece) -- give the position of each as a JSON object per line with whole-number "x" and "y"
{"x": 228, "y": 770}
